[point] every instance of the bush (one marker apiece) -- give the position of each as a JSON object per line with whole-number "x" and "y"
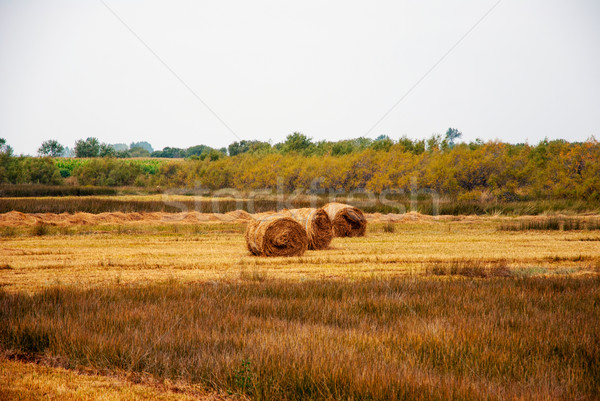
{"x": 40, "y": 229}
{"x": 42, "y": 171}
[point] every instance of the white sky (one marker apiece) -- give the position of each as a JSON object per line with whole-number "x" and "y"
{"x": 70, "y": 69}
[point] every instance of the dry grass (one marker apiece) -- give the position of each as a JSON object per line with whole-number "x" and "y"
{"x": 553, "y": 224}
{"x": 169, "y": 203}
{"x": 31, "y": 381}
{"x": 452, "y": 308}
{"x": 142, "y": 253}
{"x": 266, "y": 201}
{"x": 392, "y": 339}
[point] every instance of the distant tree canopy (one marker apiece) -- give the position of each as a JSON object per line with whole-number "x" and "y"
{"x": 200, "y": 151}
{"x": 296, "y": 143}
{"x": 452, "y": 134}
{"x": 51, "y": 148}
{"x": 120, "y": 147}
{"x": 197, "y": 150}
{"x": 107, "y": 150}
{"x": 88, "y": 148}
{"x": 139, "y": 152}
{"x": 143, "y": 144}
{"x": 171, "y": 153}
{"x": 244, "y": 146}
{"x": 5, "y": 149}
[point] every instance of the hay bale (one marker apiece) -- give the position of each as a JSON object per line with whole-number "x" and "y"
{"x": 347, "y": 221}
{"x": 276, "y": 235}
{"x": 317, "y": 225}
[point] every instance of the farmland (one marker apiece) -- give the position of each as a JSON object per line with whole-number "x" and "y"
{"x": 453, "y": 307}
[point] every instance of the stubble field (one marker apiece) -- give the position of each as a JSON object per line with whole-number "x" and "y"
{"x": 421, "y": 308}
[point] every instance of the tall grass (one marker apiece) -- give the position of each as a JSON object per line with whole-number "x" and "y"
{"x": 92, "y": 204}
{"x": 33, "y": 190}
{"x": 553, "y": 224}
{"x": 393, "y": 339}
{"x": 106, "y": 204}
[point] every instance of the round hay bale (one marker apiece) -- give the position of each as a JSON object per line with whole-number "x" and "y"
{"x": 347, "y": 221}
{"x": 276, "y": 235}
{"x": 317, "y": 225}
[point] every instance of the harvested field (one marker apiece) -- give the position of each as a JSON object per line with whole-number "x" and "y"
{"x": 182, "y": 308}
{"x": 142, "y": 252}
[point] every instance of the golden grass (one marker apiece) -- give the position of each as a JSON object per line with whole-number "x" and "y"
{"x": 143, "y": 253}
{"x": 31, "y": 381}
{"x": 447, "y": 308}
{"x": 380, "y": 339}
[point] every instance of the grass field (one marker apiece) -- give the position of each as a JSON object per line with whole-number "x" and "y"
{"x": 474, "y": 308}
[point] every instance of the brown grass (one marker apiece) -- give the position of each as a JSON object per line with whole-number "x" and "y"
{"x": 317, "y": 225}
{"x": 347, "y": 221}
{"x": 276, "y": 235}
{"x": 32, "y": 381}
{"x": 379, "y": 339}
{"x": 461, "y": 310}
{"x": 553, "y": 223}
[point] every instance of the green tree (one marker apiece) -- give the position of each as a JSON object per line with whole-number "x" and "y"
{"x": 139, "y": 152}
{"x": 119, "y": 147}
{"x": 107, "y": 150}
{"x": 5, "y": 161}
{"x": 341, "y": 148}
{"x": 143, "y": 145}
{"x": 122, "y": 154}
{"x": 383, "y": 142}
{"x": 51, "y": 148}
{"x": 296, "y": 143}
{"x": 197, "y": 150}
{"x": 452, "y": 134}
{"x": 173, "y": 153}
{"x": 245, "y": 146}
{"x": 88, "y": 148}
{"x": 434, "y": 143}
{"x": 4, "y": 148}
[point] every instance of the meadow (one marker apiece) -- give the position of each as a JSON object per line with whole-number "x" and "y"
{"x": 425, "y": 308}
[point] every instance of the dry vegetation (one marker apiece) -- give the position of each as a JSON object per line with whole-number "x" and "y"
{"x": 262, "y": 201}
{"x": 33, "y": 381}
{"x": 447, "y": 308}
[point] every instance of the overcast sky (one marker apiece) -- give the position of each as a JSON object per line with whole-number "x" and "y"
{"x": 71, "y": 69}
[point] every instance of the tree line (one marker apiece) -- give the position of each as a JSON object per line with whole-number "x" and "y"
{"x": 294, "y": 143}
{"x": 549, "y": 169}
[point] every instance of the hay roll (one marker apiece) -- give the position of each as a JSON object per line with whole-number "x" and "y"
{"x": 317, "y": 225}
{"x": 276, "y": 235}
{"x": 347, "y": 220}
